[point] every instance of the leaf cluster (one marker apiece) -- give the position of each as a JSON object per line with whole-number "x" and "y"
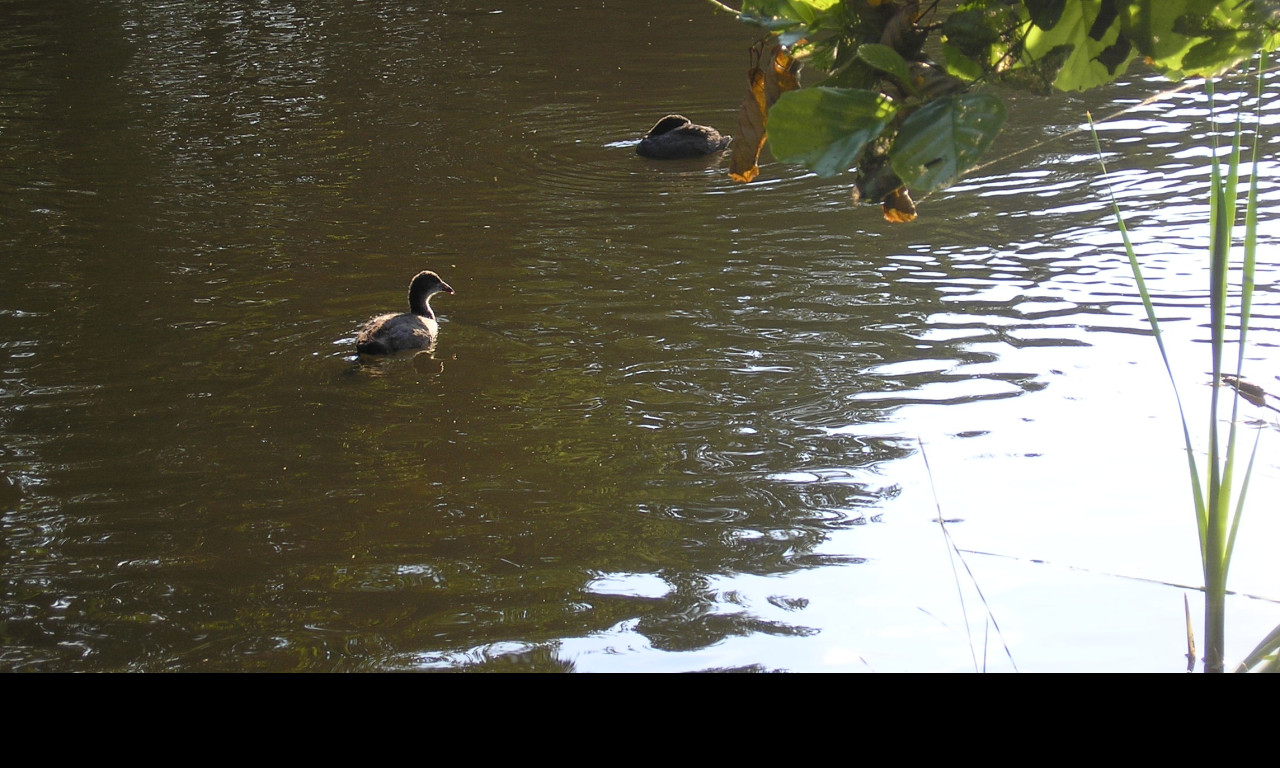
{"x": 898, "y": 99}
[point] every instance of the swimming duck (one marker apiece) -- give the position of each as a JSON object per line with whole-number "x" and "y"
{"x": 676, "y": 136}
{"x": 415, "y": 329}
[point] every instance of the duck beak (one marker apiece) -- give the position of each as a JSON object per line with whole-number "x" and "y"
{"x": 446, "y": 288}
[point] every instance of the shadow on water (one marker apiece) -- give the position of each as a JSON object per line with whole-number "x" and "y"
{"x": 670, "y": 420}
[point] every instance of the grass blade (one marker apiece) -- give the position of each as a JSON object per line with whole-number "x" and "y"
{"x": 1197, "y": 490}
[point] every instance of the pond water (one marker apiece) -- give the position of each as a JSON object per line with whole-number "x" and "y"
{"x": 673, "y": 423}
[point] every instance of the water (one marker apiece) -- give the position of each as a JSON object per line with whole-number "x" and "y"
{"x": 672, "y": 423}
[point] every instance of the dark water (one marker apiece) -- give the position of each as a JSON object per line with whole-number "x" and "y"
{"x": 672, "y": 423}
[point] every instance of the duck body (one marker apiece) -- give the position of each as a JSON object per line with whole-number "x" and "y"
{"x": 391, "y": 333}
{"x": 415, "y": 329}
{"x": 675, "y": 136}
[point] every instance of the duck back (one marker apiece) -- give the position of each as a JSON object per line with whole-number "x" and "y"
{"x": 675, "y": 136}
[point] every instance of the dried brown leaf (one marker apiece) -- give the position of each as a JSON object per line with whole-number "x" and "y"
{"x": 765, "y": 84}
{"x": 898, "y": 207}
{"x": 1248, "y": 390}
{"x": 748, "y": 142}
{"x": 781, "y": 76}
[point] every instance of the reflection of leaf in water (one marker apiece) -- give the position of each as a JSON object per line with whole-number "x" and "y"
{"x": 765, "y": 85}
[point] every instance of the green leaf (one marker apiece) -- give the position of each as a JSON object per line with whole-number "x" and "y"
{"x": 945, "y": 138}
{"x": 786, "y": 11}
{"x": 817, "y": 5}
{"x": 810, "y": 10}
{"x": 1265, "y": 655}
{"x": 1197, "y": 37}
{"x": 1089, "y": 33}
{"x": 826, "y": 129}
{"x": 971, "y": 29}
{"x": 960, "y": 65}
{"x": 1045, "y": 14}
{"x": 885, "y": 59}
{"x": 777, "y": 9}
{"x": 980, "y": 37}
{"x": 1217, "y": 54}
{"x": 791, "y": 20}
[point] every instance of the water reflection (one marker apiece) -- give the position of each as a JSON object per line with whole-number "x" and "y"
{"x": 672, "y": 421}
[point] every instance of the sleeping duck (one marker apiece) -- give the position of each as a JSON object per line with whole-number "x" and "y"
{"x": 676, "y": 136}
{"x": 415, "y": 329}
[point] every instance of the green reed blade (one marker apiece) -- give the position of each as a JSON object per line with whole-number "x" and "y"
{"x": 1153, "y": 321}
{"x": 1246, "y": 296}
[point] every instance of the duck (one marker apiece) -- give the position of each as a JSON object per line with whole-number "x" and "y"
{"x": 415, "y": 329}
{"x": 676, "y": 136}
